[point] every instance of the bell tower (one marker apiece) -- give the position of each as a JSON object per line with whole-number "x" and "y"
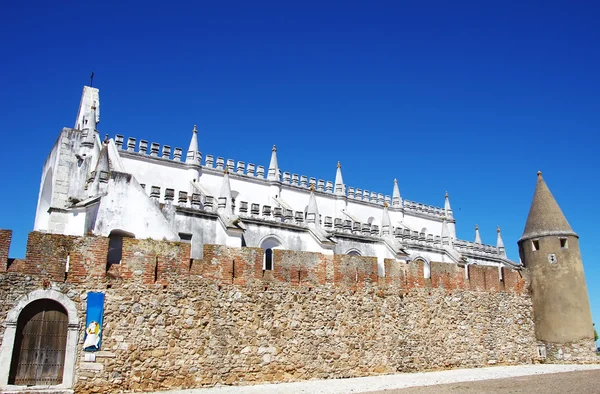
{"x": 549, "y": 249}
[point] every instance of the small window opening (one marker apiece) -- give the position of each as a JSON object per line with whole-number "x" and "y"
{"x": 564, "y": 243}
{"x": 185, "y": 238}
{"x": 268, "y": 259}
{"x": 535, "y": 245}
{"x": 115, "y": 246}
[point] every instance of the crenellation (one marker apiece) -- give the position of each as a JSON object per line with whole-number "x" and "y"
{"x": 220, "y": 164}
{"x": 154, "y": 149}
{"x": 380, "y": 199}
{"x": 286, "y": 178}
{"x": 260, "y": 172}
{"x": 169, "y": 195}
{"x": 230, "y": 164}
{"x": 209, "y": 203}
{"x": 143, "y": 147}
{"x": 155, "y": 192}
{"x": 288, "y": 215}
{"x": 329, "y": 187}
{"x": 295, "y": 180}
{"x": 240, "y": 167}
{"x": 351, "y": 192}
{"x": 312, "y": 183}
{"x": 266, "y": 211}
{"x": 250, "y": 169}
{"x": 299, "y": 217}
{"x": 366, "y": 229}
{"x": 103, "y": 176}
{"x": 321, "y": 185}
{"x": 119, "y": 141}
{"x": 222, "y": 202}
{"x": 177, "y": 154}
{"x": 255, "y": 209}
{"x": 166, "y": 152}
{"x": 303, "y": 181}
{"x": 183, "y": 198}
{"x": 209, "y": 161}
{"x": 131, "y": 142}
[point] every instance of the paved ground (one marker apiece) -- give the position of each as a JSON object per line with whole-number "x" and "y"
{"x": 518, "y": 379}
{"x": 578, "y": 382}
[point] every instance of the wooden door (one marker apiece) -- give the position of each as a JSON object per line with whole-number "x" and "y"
{"x": 39, "y": 350}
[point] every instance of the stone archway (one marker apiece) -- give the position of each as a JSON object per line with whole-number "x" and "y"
{"x": 10, "y": 334}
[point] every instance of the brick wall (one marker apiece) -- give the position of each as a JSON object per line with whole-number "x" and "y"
{"x": 5, "y": 238}
{"x": 223, "y": 320}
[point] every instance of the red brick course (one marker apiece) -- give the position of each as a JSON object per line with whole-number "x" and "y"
{"x": 158, "y": 263}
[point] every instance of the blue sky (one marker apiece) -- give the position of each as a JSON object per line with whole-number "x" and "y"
{"x": 468, "y": 97}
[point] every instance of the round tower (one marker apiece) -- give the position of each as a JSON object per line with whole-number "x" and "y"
{"x": 549, "y": 249}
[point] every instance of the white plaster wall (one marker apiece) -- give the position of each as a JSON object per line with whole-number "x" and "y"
{"x": 152, "y": 173}
{"x": 126, "y": 207}
{"x": 203, "y": 230}
{"x": 291, "y": 240}
{"x": 417, "y": 224}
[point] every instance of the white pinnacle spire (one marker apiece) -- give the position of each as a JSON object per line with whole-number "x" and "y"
{"x": 312, "y": 211}
{"x": 386, "y": 223}
{"x": 90, "y": 127}
{"x": 339, "y": 188}
{"x": 500, "y": 243}
{"x": 477, "y": 236}
{"x": 273, "y": 173}
{"x": 193, "y": 155}
{"x": 396, "y": 199}
{"x": 447, "y": 208}
{"x": 225, "y": 195}
{"x": 445, "y": 232}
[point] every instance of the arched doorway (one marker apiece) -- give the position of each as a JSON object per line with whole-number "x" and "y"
{"x": 39, "y": 350}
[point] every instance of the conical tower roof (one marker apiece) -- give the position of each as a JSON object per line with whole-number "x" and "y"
{"x": 545, "y": 216}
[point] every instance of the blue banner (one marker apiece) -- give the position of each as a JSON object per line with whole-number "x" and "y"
{"x": 93, "y": 322}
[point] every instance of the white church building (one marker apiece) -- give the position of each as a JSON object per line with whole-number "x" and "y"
{"x": 117, "y": 188}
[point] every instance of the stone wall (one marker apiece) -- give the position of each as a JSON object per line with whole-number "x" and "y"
{"x": 172, "y": 322}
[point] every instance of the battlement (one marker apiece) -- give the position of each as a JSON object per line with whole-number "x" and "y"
{"x": 258, "y": 172}
{"x": 63, "y": 258}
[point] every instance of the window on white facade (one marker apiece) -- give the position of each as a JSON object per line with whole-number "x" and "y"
{"x": 268, "y": 265}
{"x": 426, "y": 270}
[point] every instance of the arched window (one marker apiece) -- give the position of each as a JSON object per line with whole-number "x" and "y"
{"x": 268, "y": 265}
{"x": 426, "y": 270}
{"x": 40, "y": 345}
{"x": 268, "y": 244}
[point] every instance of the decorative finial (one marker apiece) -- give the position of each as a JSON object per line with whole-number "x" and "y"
{"x": 498, "y": 229}
{"x": 339, "y": 165}
{"x": 226, "y": 170}
{"x": 385, "y": 204}
{"x": 476, "y": 227}
{"x": 539, "y": 173}
{"x": 395, "y": 180}
{"x": 274, "y": 148}
{"x": 446, "y": 194}
{"x": 312, "y": 187}
{"x": 195, "y": 129}
{"x": 443, "y": 218}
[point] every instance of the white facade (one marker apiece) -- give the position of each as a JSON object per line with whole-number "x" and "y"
{"x": 145, "y": 190}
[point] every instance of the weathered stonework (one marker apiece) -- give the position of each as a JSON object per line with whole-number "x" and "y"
{"x": 171, "y": 322}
